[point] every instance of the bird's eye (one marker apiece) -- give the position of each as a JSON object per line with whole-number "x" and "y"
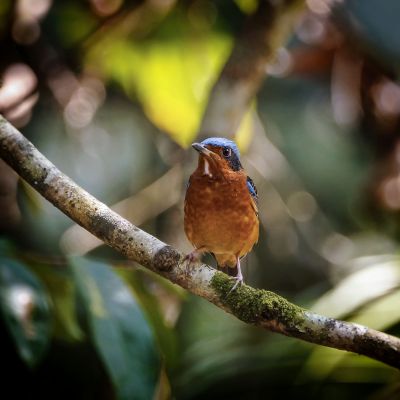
{"x": 226, "y": 152}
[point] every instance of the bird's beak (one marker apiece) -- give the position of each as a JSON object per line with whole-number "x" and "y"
{"x": 202, "y": 149}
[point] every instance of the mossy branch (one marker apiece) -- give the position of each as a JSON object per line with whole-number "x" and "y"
{"x": 257, "y": 307}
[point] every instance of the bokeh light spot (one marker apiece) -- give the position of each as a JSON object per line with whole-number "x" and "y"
{"x": 302, "y": 206}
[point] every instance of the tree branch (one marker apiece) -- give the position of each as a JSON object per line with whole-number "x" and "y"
{"x": 263, "y": 33}
{"x": 257, "y": 307}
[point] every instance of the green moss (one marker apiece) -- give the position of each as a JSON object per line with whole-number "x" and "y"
{"x": 255, "y": 305}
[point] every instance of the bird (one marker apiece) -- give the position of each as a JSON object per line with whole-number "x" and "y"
{"x": 221, "y": 207}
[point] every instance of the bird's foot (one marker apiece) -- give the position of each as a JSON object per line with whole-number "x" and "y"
{"x": 239, "y": 281}
{"x": 191, "y": 258}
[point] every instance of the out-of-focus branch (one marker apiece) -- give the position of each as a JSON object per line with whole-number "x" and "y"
{"x": 264, "y": 32}
{"x": 138, "y": 208}
{"x": 257, "y": 307}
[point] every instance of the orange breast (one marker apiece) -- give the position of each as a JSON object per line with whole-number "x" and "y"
{"x": 220, "y": 216}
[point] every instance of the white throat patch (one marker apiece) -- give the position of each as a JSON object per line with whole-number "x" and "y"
{"x": 207, "y": 169}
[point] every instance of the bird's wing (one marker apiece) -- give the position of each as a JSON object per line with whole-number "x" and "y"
{"x": 252, "y": 188}
{"x": 253, "y": 192}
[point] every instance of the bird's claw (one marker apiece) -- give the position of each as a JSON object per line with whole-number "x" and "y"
{"x": 239, "y": 281}
{"x": 190, "y": 259}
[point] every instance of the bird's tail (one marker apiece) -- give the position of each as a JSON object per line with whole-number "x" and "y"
{"x": 231, "y": 271}
{"x": 226, "y": 264}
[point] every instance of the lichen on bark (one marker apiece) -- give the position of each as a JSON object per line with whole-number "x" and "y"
{"x": 254, "y": 306}
{"x": 257, "y": 306}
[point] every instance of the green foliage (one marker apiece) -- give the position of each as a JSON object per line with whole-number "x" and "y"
{"x": 62, "y": 291}
{"x": 165, "y": 336}
{"x": 25, "y": 309}
{"x": 118, "y": 329}
{"x": 168, "y": 76}
{"x": 54, "y": 307}
{"x": 139, "y": 78}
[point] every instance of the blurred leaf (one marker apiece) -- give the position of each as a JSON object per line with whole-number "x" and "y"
{"x": 25, "y": 309}
{"x": 163, "y": 388}
{"x": 247, "y": 6}
{"x": 380, "y": 275}
{"x": 244, "y": 134}
{"x": 164, "y": 334}
{"x": 171, "y": 78}
{"x": 381, "y": 314}
{"x": 213, "y": 348}
{"x": 119, "y": 329}
{"x": 375, "y": 276}
{"x": 325, "y": 362}
{"x": 60, "y": 286}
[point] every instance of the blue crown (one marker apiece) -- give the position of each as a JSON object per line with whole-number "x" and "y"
{"x": 222, "y": 142}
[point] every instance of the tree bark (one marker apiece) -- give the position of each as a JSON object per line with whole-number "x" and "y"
{"x": 258, "y": 307}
